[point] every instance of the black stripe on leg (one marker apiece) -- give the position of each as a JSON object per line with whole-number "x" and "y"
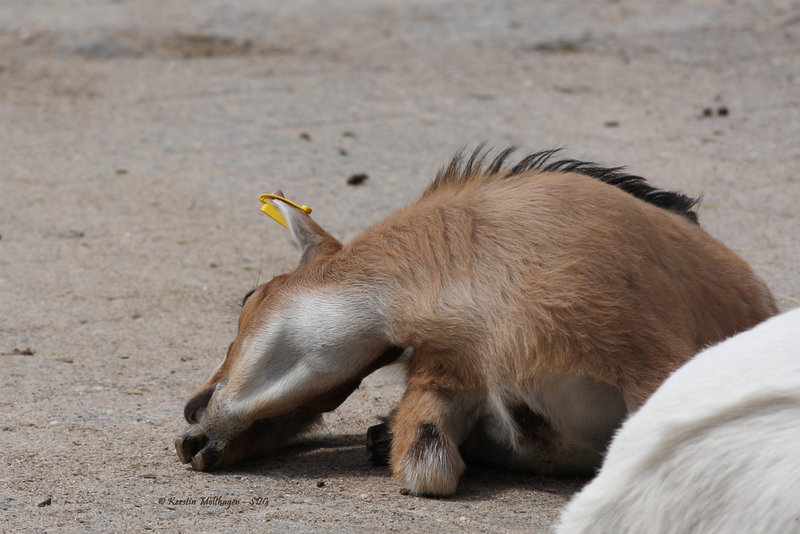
{"x": 428, "y": 438}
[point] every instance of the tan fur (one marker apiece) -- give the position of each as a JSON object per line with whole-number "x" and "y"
{"x": 439, "y": 475}
{"x": 503, "y": 285}
{"x": 496, "y": 281}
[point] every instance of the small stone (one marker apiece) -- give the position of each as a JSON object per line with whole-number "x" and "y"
{"x": 321, "y": 484}
{"x": 47, "y": 502}
{"x": 357, "y": 179}
{"x": 405, "y": 491}
{"x": 722, "y": 111}
{"x": 305, "y": 136}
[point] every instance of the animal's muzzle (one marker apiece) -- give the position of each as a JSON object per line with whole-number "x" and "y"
{"x": 196, "y": 406}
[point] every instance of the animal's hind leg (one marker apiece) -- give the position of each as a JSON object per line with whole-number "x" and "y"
{"x": 546, "y": 452}
{"x": 426, "y": 431}
{"x": 562, "y": 429}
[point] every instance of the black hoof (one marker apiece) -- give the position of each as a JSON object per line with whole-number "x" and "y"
{"x": 189, "y": 444}
{"x": 209, "y": 457}
{"x": 379, "y": 444}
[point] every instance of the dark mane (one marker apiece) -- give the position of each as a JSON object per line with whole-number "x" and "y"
{"x": 460, "y": 171}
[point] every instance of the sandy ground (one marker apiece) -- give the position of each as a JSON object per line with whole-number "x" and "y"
{"x": 136, "y": 137}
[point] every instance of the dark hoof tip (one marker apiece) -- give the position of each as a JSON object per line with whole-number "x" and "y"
{"x": 379, "y": 444}
{"x": 188, "y": 444}
{"x": 209, "y": 457}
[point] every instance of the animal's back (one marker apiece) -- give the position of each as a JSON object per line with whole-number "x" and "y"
{"x": 560, "y": 271}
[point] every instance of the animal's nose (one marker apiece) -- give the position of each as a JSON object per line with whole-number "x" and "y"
{"x": 197, "y": 404}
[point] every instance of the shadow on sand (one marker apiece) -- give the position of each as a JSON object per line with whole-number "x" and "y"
{"x": 345, "y": 455}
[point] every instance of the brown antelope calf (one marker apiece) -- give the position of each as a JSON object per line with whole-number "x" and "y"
{"x": 539, "y": 303}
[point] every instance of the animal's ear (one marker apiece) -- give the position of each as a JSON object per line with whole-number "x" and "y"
{"x": 307, "y": 236}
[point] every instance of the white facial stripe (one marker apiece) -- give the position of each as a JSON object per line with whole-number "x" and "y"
{"x": 322, "y": 340}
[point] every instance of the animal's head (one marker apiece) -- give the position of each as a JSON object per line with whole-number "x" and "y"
{"x": 305, "y": 340}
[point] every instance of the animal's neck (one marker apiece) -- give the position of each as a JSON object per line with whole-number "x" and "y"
{"x": 410, "y": 268}
{"x": 327, "y": 337}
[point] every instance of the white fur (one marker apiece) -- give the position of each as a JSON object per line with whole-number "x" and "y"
{"x": 499, "y": 422}
{"x": 584, "y": 411}
{"x": 435, "y": 472}
{"x": 716, "y": 449}
{"x": 321, "y": 341}
{"x": 298, "y": 233}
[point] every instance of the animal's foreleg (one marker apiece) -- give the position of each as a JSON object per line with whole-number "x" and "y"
{"x": 426, "y": 431}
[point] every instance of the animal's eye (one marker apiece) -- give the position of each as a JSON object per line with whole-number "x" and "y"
{"x": 249, "y": 294}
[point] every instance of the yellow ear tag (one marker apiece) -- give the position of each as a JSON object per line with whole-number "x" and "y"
{"x": 273, "y": 212}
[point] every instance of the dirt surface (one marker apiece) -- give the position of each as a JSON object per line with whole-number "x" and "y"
{"x": 136, "y": 137}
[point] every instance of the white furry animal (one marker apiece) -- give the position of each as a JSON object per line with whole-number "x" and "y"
{"x": 716, "y": 449}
